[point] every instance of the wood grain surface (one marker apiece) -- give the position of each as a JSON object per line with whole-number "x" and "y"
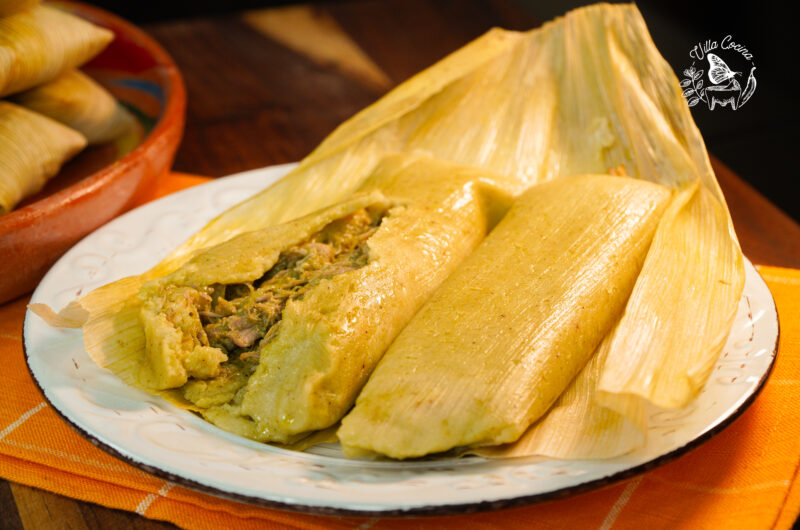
{"x": 265, "y": 87}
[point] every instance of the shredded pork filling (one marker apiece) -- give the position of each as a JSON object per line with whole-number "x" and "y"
{"x": 239, "y": 318}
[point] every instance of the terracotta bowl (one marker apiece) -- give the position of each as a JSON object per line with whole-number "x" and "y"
{"x": 104, "y": 181}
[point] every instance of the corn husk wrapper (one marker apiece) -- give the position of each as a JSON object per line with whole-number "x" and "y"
{"x": 32, "y": 149}
{"x": 341, "y": 163}
{"x": 38, "y": 45}
{"x": 684, "y": 242}
{"x": 584, "y": 93}
{"x": 10, "y": 7}
{"x": 79, "y": 102}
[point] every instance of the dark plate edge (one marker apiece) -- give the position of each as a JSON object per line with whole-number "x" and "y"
{"x": 438, "y": 510}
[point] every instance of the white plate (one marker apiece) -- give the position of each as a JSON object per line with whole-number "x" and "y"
{"x": 156, "y": 436}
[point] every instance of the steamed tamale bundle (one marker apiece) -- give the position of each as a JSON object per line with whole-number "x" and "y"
{"x": 584, "y": 94}
{"x": 503, "y": 337}
{"x": 32, "y": 149}
{"x": 79, "y": 102}
{"x": 38, "y": 45}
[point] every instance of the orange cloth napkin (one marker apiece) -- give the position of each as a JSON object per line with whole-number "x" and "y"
{"x": 746, "y": 477}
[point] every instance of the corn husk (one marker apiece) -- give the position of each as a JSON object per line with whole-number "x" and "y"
{"x": 501, "y": 340}
{"x": 38, "y": 45}
{"x": 10, "y": 7}
{"x": 707, "y": 267}
{"x": 32, "y": 149}
{"x": 583, "y": 94}
{"x": 341, "y": 163}
{"x": 79, "y": 102}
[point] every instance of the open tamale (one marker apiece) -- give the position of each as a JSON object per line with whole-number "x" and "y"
{"x": 272, "y": 333}
{"x": 10, "y": 7}
{"x": 79, "y": 102}
{"x": 502, "y": 338}
{"x": 38, "y": 45}
{"x": 32, "y": 149}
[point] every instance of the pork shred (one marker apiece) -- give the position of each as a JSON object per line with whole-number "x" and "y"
{"x": 242, "y": 315}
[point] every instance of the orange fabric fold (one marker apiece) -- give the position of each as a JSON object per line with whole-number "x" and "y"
{"x": 745, "y": 477}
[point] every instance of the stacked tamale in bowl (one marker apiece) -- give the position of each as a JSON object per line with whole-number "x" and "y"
{"x": 50, "y": 110}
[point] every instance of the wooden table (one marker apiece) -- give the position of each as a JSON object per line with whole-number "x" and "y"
{"x": 265, "y": 87}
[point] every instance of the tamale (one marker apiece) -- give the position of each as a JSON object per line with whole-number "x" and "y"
{"x": 10, "y": 7}
{"x": 272, "y": 333}
{"x": 38, "y": 45}
{"x": 32, "y": 149}
{"x": 79, "y": 102}
{"x": 502, "y": 338}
